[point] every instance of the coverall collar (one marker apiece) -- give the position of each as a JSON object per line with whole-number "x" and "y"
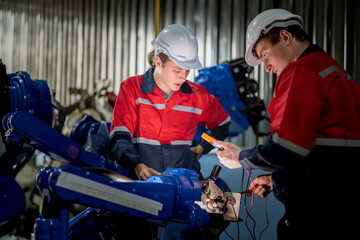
{"x": 148, "y": 84}
{"x": 310, "y": 49}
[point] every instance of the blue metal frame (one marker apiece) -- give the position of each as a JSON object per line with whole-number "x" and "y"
{"x": 20, "y": 93}
{"x": 29, "y": 95}
{"x": 171, "y": 195}
{"x": 219, "y": 81}
{"x": 53, "y": 143}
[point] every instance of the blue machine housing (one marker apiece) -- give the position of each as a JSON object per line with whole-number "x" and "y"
{"x": 12, "y": 198}
{"x": 18, "y": 93}
{"x": 219, "y": 81}
{"x": 171, "y": 195}
{"x": 32, "y": 96}
{"x": 53, "y": 143}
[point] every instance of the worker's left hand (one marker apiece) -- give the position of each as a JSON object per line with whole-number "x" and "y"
{"x": 229, "y": 156}
{"x": 262, "y": 185}
{"x": 143, "y": 172}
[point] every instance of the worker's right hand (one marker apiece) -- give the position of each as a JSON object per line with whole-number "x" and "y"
{"x": 228, "y": 154}
{"x": 143, "y": 172}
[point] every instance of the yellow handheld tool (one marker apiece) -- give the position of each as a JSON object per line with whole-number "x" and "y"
{"x": 210, "y": 140}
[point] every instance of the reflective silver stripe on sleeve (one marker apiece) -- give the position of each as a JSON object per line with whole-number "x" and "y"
{"x": 145, "y": 101}
{"x": 120, "y": 129}
{"x": 337, "y": 142}
{"x": 181, "y": 142}
{"x": 324, "y": 73}
{"x": 145, "y": 140}
{"x": 187, "y": 109}
{"x": 228, "y": 119}
{"x": 290, "y": 146}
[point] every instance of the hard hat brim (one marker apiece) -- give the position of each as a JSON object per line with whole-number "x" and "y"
{"x": 250, "y": 58}
{"x": 188, "y": 65}
{"x": 262, "y": 24}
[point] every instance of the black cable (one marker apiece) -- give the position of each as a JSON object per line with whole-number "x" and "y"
{"x": 229, "y": 235}
{"x": 252, "y": 196}
{"x": 247, "y": 227}
{"x": 248, "y": 214}
{"x": 237, "y": 222}
{"x": 241, "y": 189}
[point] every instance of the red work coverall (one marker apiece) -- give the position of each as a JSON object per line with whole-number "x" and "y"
{"x": 147, "y": 129}
{"x": 314, "y": 147}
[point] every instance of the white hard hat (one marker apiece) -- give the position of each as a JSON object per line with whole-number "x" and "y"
{"x": 180, "y": 44}
{"x": 261, "y": 25}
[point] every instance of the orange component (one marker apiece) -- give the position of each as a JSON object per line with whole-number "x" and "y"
{"x": 208, "y": 138}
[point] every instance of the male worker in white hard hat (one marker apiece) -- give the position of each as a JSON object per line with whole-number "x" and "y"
{"x": 156, "y": 114}
{"x": 315, "y": 131}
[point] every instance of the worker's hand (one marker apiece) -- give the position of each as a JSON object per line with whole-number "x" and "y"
{"x": 197, "y": 151}
{"x": 229, "y": 156}
{"x": 143, "y": 172}
{"x": 262, "y": 185}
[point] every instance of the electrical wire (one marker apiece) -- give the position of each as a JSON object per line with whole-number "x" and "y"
{"x": 229, "y": 235}
{"x": 248, "y": 171}
{"x": 253, "y": 234}
{"x": 237, "y": 222}
{"x": 248, "y": 212}
{"x": 267, "y": 219}
{"x": 252, "y": 203}
{"x": 242, "y": 191}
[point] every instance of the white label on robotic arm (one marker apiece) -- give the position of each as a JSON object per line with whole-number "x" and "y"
{"x": 110, "y": 194}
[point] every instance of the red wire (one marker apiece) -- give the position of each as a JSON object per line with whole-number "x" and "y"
{"x": 249, "y": 190}
{"x": 249, "y": 175}
{"x": 252, "y": 202}
{"x": 248, "y": 212}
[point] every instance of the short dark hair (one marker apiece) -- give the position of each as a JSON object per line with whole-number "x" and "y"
{"x": 298, "y": 32}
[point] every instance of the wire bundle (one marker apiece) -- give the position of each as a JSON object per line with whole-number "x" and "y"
{"x": 252, "y": 231}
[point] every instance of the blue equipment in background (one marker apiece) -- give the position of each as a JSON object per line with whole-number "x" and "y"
{"x": 237, "y": 93}
{"x": 18, "y": 93}
{"x": 219, "y": 81}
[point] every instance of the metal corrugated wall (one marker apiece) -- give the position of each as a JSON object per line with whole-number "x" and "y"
{"x": 74, "y": 43}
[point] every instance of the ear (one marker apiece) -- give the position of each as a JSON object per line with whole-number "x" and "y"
{"x": 285, "y": 36}
{"x": 158, "y": 62}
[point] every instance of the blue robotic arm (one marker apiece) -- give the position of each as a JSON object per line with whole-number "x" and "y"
{"x": 171, "y": 195}
{"x": 23, "y": 126}
{"x": 94, "y": 181}
{"x": 18, "y": 92}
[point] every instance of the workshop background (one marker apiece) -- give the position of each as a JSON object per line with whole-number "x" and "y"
{"x": 77, "y": 43}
